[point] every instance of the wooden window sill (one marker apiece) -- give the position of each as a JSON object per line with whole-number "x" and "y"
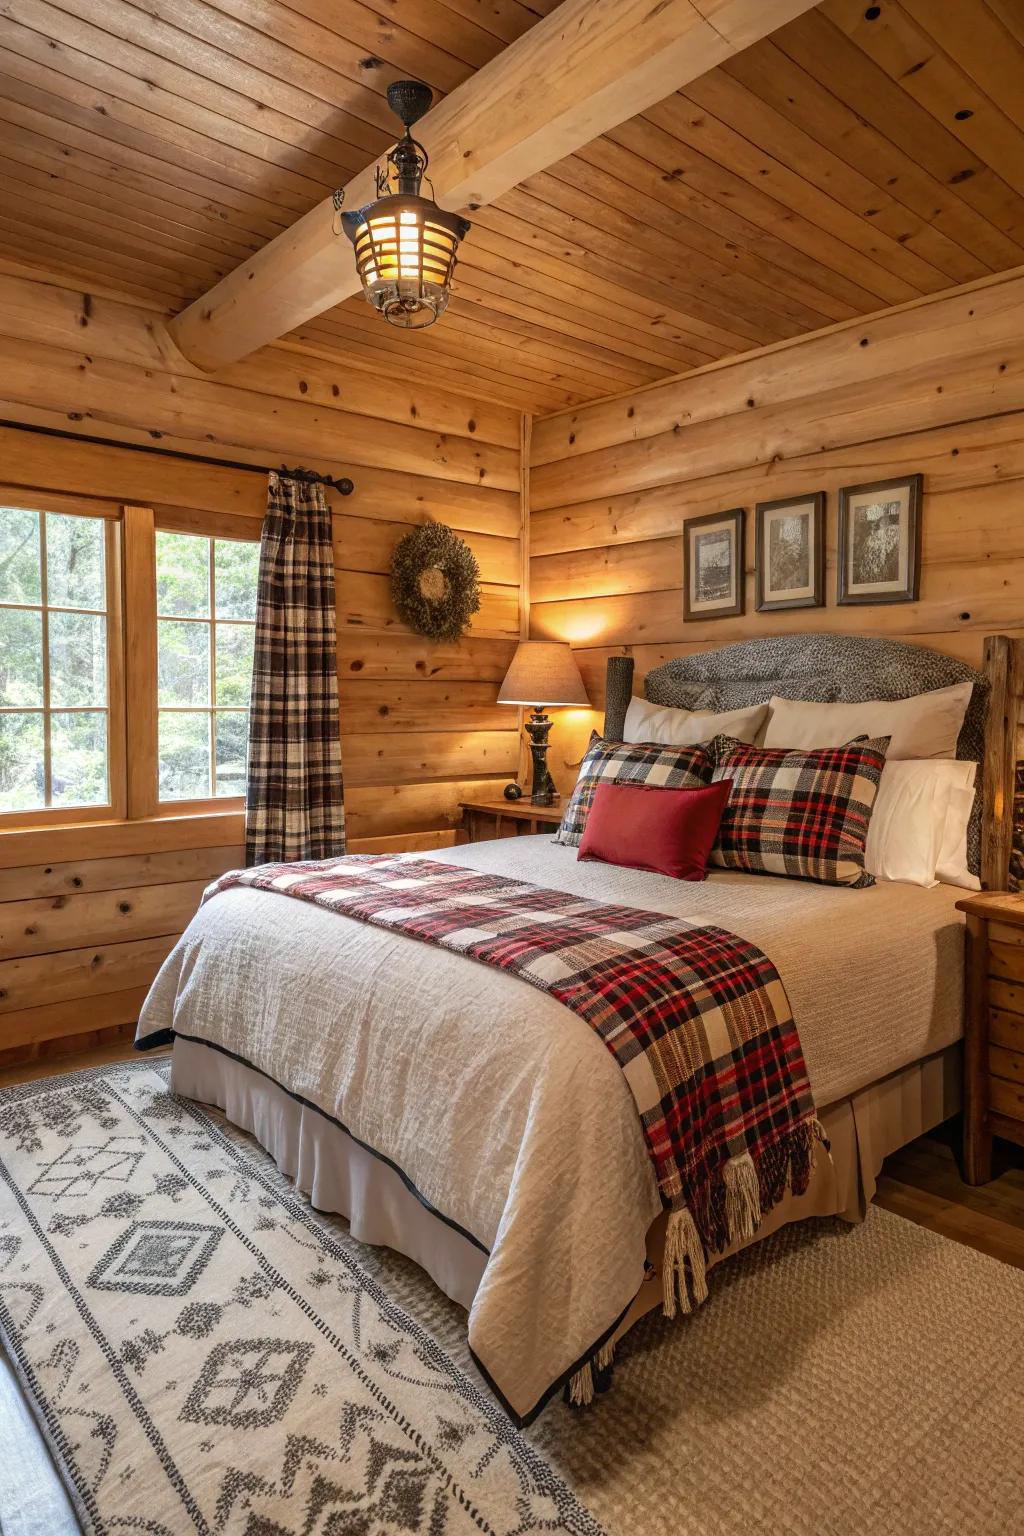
{"x": 98, "y": 839}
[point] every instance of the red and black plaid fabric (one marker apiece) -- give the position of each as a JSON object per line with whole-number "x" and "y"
{"x": 619, "y": 762}
{"x": 801, "y": 814}
{"x": 697, "y": 1018}
{"x": 294, "y": 799}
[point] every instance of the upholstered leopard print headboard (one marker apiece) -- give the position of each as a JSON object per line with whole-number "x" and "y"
{"x": 822, "y": 668}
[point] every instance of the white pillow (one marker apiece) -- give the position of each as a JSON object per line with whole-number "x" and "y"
{"x": 687, "y": 727}
{"x": 912, "y": 821}
{"x": 924, "y": 726}
{"x": 906, "y": 826}
{"x": 952, "y": 868}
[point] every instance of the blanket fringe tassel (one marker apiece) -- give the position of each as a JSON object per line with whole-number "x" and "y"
{"x": 742, "y": 1198}
{"x": 685, "y": 1263}
{"x": 682, "y": 1245}
{"x": 591, "y": 1378}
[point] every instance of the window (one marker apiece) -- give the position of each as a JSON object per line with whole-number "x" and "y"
{"x": 56, "y": 604}
{"x": 130, "y": 702}
{"x": 206, "y": 611}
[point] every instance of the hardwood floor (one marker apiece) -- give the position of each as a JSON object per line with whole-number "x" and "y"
{"x": 921, "y": 1182}
{"x": 72, "y": 1061}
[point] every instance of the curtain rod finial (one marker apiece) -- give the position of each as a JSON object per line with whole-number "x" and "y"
{"x": 344, "y": 486}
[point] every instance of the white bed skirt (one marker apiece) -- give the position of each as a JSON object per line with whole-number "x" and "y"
{"x": 332, "y": 1168}
{"x": 340, "y": 1175}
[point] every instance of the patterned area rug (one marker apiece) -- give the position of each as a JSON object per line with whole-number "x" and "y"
{"x": 205, "y": 1354}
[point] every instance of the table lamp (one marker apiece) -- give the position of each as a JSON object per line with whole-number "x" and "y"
{"x": 542, "y": 672}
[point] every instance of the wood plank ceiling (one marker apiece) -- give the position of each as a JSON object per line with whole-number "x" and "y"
{"x": 862, "y": 156}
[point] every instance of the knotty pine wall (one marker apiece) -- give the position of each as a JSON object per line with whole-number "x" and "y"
{"x": 87, "y": 915}
{"x": 936, "y": 386}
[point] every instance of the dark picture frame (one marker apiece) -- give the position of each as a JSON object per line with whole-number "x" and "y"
{"x": 880, "y": 563}
{"x": 809, "y": 593}
{"x": 713, "y": 588}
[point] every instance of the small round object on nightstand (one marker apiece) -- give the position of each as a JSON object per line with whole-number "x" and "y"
{"x": 513, "y": 792}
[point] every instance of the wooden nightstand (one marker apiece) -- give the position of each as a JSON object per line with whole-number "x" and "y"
{"x": 994, "y": 1048}
{"x": 487, "y": 819}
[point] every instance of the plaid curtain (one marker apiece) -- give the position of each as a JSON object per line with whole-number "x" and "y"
{"x": 294, "y": 800}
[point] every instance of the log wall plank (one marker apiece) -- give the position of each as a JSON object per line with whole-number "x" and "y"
{"x": 77, "y": 877}
{"x": 42, "y": 924}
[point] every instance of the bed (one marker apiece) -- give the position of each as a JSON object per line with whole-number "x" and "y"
{"x": 457, "y": 1115}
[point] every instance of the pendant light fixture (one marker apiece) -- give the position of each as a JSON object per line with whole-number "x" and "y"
{"x": 405, "y": 245}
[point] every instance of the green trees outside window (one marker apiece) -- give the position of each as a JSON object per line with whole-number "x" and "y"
{"x": 54, "y": 693}
{"x": 64, "y": 657}
{"x": 206, "y": 611}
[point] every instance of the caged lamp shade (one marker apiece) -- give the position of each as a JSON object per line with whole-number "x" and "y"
{"x": 542, "y": 672}
{"x": 405, "y": 254}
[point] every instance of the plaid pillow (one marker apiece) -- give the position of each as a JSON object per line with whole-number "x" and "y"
{"x": 801, "y": 814}
{"x": 616, "y": 762}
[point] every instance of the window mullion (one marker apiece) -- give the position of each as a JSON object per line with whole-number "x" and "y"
{"x": 140, "y": 637}
{"x": 44, "y": 592}
{"x": 116, "y": 723}
{"x": 213, "y": 671}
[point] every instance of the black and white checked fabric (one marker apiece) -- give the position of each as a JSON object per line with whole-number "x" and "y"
{"x": 294, "y": 799}
{"x": 618, "y": 762}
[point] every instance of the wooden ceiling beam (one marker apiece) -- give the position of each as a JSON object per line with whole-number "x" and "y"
{"x": 584, "y": 69}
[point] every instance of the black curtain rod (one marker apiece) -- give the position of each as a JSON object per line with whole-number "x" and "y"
{"x": 343, "y": 486}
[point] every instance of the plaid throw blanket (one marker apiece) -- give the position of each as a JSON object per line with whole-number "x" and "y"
{"x": 697, "y": 1019}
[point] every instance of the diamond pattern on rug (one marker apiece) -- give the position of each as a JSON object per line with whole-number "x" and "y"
{"x": 77, "y": 1170}
{"x": 156, "y": 1258}
{"x": 247, "y": 1383}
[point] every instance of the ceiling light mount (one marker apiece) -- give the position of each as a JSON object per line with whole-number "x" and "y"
{"x": 409, "y": 100}
{"x": 405, "y": 245}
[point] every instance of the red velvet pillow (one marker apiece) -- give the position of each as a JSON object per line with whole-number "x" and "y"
{"x": 668, "y": 831}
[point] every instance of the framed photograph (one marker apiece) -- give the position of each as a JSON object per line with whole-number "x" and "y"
{"x": 789, "y": 561}
{"x": 713, "y": 586}
{"x": 880, "y": 541}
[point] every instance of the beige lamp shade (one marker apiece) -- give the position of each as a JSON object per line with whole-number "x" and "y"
{"x": 543, "y": 672}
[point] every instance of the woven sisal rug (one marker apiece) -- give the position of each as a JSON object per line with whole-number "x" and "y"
{"x": 840, "y": 1381}
{"x": 204, "y": 1354}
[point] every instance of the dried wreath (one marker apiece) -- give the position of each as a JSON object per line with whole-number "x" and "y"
{"x": 435, "y": 582}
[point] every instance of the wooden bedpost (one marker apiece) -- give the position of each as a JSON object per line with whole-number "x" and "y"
{"x": 1002, "y": 809}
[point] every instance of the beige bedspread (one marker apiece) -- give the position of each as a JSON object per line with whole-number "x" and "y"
{"x": 499, "y": 1105}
